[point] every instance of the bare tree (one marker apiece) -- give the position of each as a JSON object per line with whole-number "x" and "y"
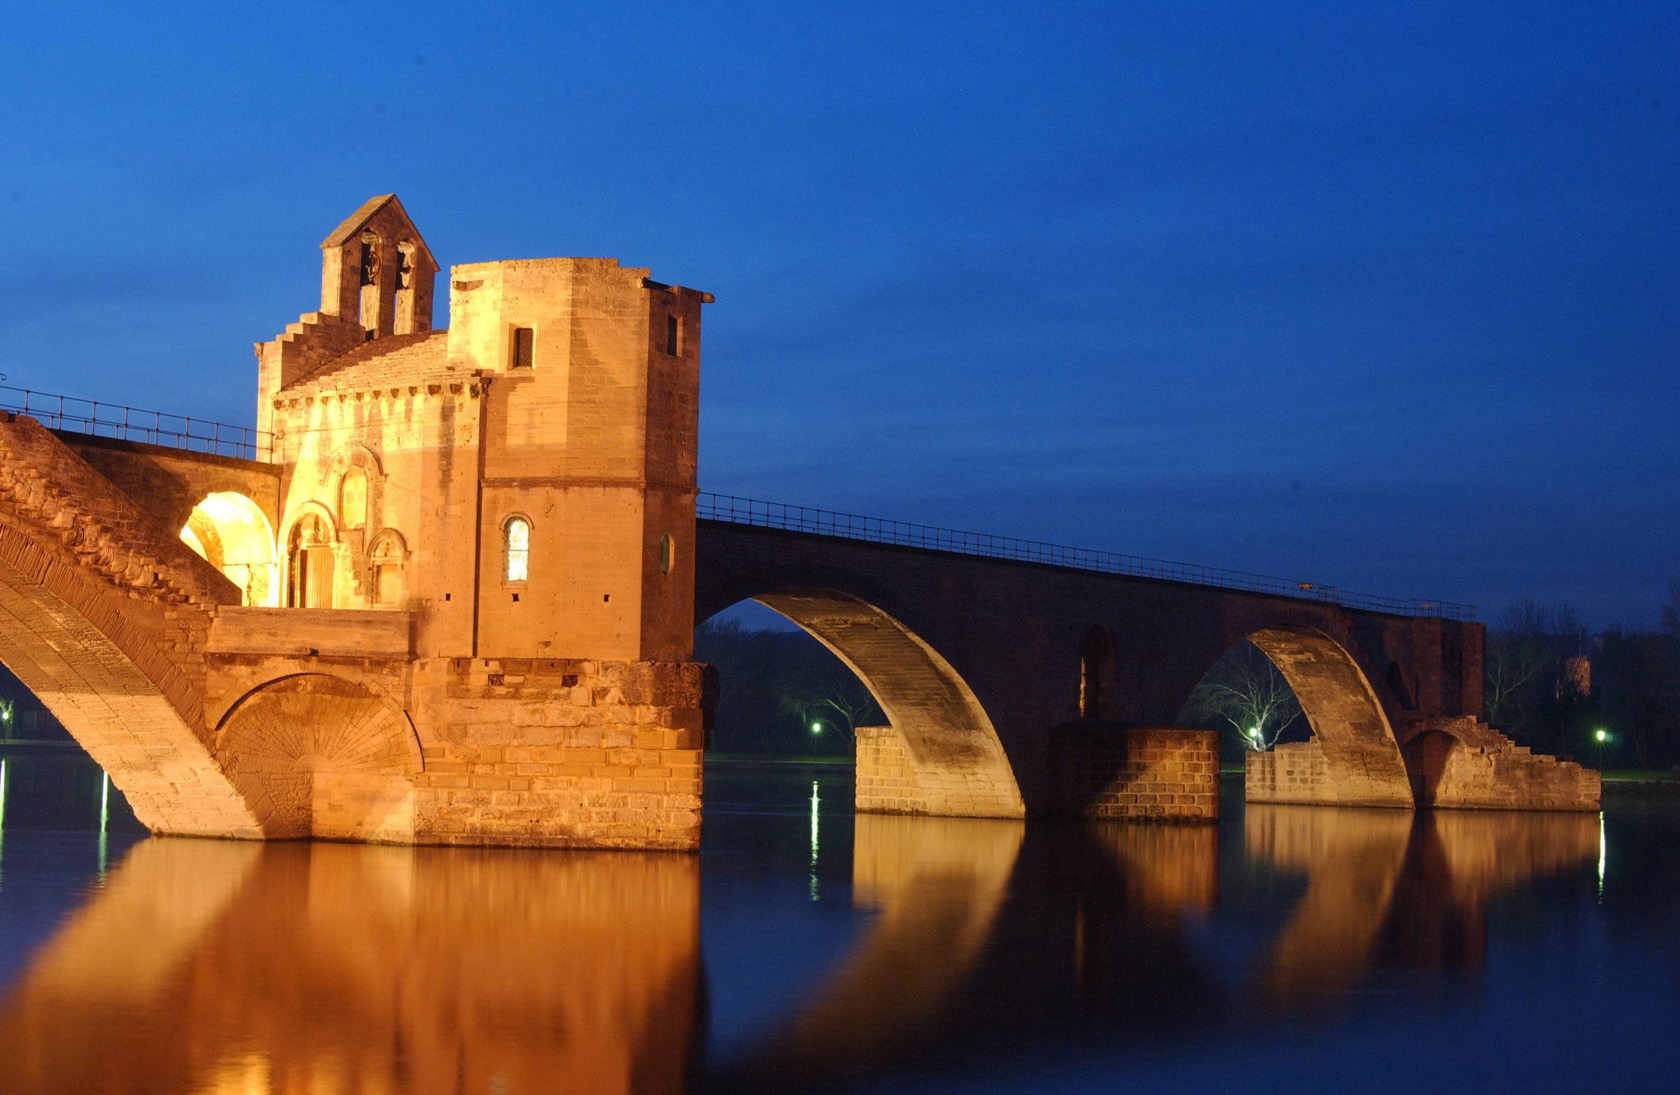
{"x": 832, "y": 702}
{"x": 1246, "y": 691}
{"x": 1524, "y": 649}
{"x": 1671, "y": 611}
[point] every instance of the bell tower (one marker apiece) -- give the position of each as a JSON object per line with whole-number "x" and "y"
{"x": 377, "y": 271}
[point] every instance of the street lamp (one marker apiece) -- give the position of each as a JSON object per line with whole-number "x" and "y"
{"x": 1601, "y": 735}
{"x": 816, "y": 728}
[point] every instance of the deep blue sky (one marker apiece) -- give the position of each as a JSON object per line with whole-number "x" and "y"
{"x": 1384, "y": 295}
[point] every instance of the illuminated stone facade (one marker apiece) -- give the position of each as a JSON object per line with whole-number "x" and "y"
{"x": 475, "y": 617}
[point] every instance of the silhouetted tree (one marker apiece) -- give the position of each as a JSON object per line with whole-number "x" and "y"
{"x": 773, "y": 684}
{"x": 1524, "y": 653}
{"x": 1245, "y": 691}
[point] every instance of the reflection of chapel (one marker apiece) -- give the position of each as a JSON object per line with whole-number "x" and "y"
{"x": 523, "y": 481}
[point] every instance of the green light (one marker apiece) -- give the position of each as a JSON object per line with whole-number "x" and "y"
{"x": 816, "y": 728}
{"x": 1602, "y": 735}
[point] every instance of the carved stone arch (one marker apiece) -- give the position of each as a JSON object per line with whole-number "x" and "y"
{"x": 309, "y": 572}
{"x": 317, "y": 755}
{"x": 387, "y": 568}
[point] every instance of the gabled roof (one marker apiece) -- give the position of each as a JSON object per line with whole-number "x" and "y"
{"x": 355, "y": 222}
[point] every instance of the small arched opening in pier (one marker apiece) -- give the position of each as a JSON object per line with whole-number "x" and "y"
{"x": 230, "y": 531}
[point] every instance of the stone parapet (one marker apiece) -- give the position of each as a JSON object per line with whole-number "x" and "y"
{"x": 1149, "y": 773}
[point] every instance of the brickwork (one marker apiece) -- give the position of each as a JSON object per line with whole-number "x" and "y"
{"x": 956, "y": 764}
{"x": 1452, "y": 764}
{"x": 559, "y": 753}
{"x": 1463, "y": 764}
{"x": 104, "y": 615}
{"x": 886, "y": 780}
{"x": 166, "y": 483}
{"x": 1144, "y": 773}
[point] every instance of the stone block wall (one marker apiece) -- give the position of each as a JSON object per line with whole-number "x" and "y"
{"x": 1295, "y": 773}
{"x": 1453, "y": 763}
{"x": 886, "y": 780}
{"x": 558, "y": 753}
{"x": 1151, "y": 773}
{"x": 1482, "y": 769}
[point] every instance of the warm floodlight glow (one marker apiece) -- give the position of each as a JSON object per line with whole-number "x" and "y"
{"x": 232, "y": 533}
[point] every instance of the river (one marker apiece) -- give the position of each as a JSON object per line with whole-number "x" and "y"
{"x": 1291, "y": 948}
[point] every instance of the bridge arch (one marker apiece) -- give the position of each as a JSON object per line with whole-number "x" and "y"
{"x": 1355, "y": 747}
{"x": 317, "y": 755}
{"x": 940, "y": 754}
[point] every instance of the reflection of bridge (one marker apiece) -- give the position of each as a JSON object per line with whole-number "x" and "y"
{"x": 214, "y": 966}
{"x": 486, "y": 542}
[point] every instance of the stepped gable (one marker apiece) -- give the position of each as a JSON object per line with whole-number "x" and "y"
{"x": 392, "y": 361}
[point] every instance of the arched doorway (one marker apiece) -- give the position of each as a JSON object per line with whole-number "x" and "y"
{"x": 311, "y": 563}
{"x": 230, "y": 531}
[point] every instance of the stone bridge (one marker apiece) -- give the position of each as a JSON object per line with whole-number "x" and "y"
{"x": 1011, "y": 687}
{"x": 1005, "y": 681}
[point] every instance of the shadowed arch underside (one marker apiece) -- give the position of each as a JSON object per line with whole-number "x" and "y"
{"x": 319, "y": 756}
{"x": 1354, "y": 758}
{"x": 953, "y": 761}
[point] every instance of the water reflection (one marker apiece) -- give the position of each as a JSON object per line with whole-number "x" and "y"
{"x": 1389, "y": 889}
{"x": 228, "y": 967}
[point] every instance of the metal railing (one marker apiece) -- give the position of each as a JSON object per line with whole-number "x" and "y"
{"x": 878, "y": 530}
{"x": 63, "y": 412}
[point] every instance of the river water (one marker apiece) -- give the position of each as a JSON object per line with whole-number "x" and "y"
{"x": 1289, "y": 949}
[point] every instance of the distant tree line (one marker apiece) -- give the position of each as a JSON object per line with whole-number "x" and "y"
{"x": 1608, "y": 700}
{"x": 1553, "y": 686}
{"x": 773, "y": 687}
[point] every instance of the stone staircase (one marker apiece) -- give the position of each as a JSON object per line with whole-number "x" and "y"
{"x": 47, "y": 490}
{"x": 1487, "y": 770}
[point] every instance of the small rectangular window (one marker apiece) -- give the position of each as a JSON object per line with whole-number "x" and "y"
{"x": 671, "y": 335}
{"x": 523, "y": 339}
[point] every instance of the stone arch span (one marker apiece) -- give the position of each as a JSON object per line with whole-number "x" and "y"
{"x": 103, "y": 616}
{"x": 1354, "y": 757}
{"x": 941, "y": 754}
{"x": 317, "y": 755}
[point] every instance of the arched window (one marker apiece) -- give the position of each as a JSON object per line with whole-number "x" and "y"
{"x": 1095, "y": 654}
{"x": 310, "y": 564}
{"x": 667, "y": 554}
{"x": 352, "y": 498}
{"x": 516, "y": 549}
{"x": 385, "y": 570}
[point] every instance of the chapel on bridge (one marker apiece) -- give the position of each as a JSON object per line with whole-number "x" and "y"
{"x": 522, "y": 481}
